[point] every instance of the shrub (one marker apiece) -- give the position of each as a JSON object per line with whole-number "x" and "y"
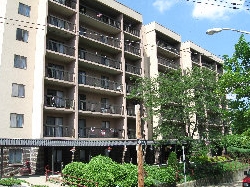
{"x": 172, "y": 160}
{"x": 11, "y": 181}
{"x": 106, "y": 172}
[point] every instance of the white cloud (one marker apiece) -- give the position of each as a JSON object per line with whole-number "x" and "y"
{"x": 216, "y": 9}
{"x": 163, "y": 5}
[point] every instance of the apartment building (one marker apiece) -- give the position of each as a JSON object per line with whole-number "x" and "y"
{"x": 66, "y": 69}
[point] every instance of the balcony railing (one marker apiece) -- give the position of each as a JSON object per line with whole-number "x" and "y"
{"x": 68, "y": 3}
{"x": 60, "y": 48}
{"x": 59, "y": 74}
{"x": 94, "y": 132}
{"x": 168, "y": 62}
{"x": 94, "y": 106}
{"x": 208, "y": 65}
{"x": 58, "y": 102}
{"x": 131, "y": 30}
{"x": 131, "y": 134}
{"x": 129, "y": 88}
{"x": 58, "y": 131}
{"x": 167, "y": 46}
{"x": 131, "y": 111}
{"x": 133, "y": 69}
{"x": 109, "y": 40}
{"x": 99, "y": 16}
{"x": 98, "y": 82}
{"x": 93, "y": 57}
{"x": 58, "y": 22}
{"x": 132, "y": 49}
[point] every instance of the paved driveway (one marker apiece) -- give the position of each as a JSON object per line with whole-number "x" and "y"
{"x": 234, "y": 184}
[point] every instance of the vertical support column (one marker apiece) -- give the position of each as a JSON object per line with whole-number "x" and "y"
{"x": 1, "y": 175}
{"x": 139, "y": 147}
{"x": 52, "y": 160}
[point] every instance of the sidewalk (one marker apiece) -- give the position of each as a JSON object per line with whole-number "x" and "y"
{"x": 38, "y": 180}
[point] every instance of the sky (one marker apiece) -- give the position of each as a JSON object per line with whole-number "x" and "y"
{"x": 192, "y": 18}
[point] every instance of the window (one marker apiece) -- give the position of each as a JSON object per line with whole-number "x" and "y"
{"x": 105, "y": 82}
{"x": 104, "y": 105}
{"x": 54, "y": 126}
{"x": 24, "y": 10}
{"x": 82, "y": 77}
{"x": 15, "y": 156}
{"x": 16, "y": 120}
{"x": 18, "y": 90}
{"x": 22, "y": 35}
{"x": 20, "y": 62}
{"x": 82, "y": 128}
{"x": 56, "y": 71}
{"x": 105, "y": 124}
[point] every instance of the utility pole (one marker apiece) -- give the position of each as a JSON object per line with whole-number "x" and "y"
{"x": 139, "y": 147}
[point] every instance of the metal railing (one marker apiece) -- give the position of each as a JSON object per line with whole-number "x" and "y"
{"x": 168, "y": 62}
{"x": 55, "y": 73}
{"x": 93, "y": 57}
{"x": 61, "y": 23}
{"x": 131, "y": 134}
{"x": 59, "y": 102}
{"x": 60, "y": 48}
{"x": 208, "y": 65}
{"x": 109, "y": 40}
{"x": 68, "y": 3}
{"x": 94, "y": 106}
{"x": 128, "y": 28}
{"x": 99, "y": 82}
{"x": 58, "y": 131}
{"x": 132, "y": 49}
{"x": 167, "y": 46}
{"x": 99, "y": 16}
{"x": 97, "y": 132}
{"x": 133, "y": 69}
{"x": 130, "y": 111}
{"x": 129, "y": 88}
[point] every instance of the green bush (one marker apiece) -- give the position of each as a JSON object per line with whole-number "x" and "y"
{"x": 10, "y": 181}
{"x": 172, "y": 160}
{"x": 106, "y": 172}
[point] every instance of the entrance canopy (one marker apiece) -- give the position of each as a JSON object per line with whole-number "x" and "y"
{"x": 61, "y": 142}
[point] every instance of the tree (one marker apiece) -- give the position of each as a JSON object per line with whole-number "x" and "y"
{"x": 235, "y": 81}
{"x": 185, "y": 104}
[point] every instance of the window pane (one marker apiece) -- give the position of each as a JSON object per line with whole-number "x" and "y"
{"x": 21, "y": 90}
{"x": 13, "y": 120}
{"x": 19, "y": 34}
{"x": 24, "y": 10}
{"x": 19, "y": 120}
{"x": 25, "y": 35}
{"x": 14, "y": 90}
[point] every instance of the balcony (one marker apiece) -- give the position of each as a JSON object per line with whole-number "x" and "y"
{"x": 94, "y": 132}
{"x": 128, "y": 28}
{"x": 58, "y": 102}
{"x": 208, "y": 65}
{"x": 58, "y": 131}
{"x": 60, "y": 23}
{"x": 168, "y": 63}
{"x": 108, "y": 40}
{"x": 133, "y": 69}
{"x": 59, "y": 74}
{"x": 60, "y": 48}
{"x": 67, "y": 3}
{"x": 98, "y": 82}
{"x": 132, "y": 49}
{"x": 99, "y": 59}
{"x": 91, "y": 13}
{"x": 94, "y": 106}
{"x": 168, "y": 47}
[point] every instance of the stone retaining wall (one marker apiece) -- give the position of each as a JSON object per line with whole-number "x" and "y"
{"x": 226, "y": 178}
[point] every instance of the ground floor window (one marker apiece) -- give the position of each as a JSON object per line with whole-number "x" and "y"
{"x": 15, "y": 156}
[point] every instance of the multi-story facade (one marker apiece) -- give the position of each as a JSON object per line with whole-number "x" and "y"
{"x": 66, "y": 68}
